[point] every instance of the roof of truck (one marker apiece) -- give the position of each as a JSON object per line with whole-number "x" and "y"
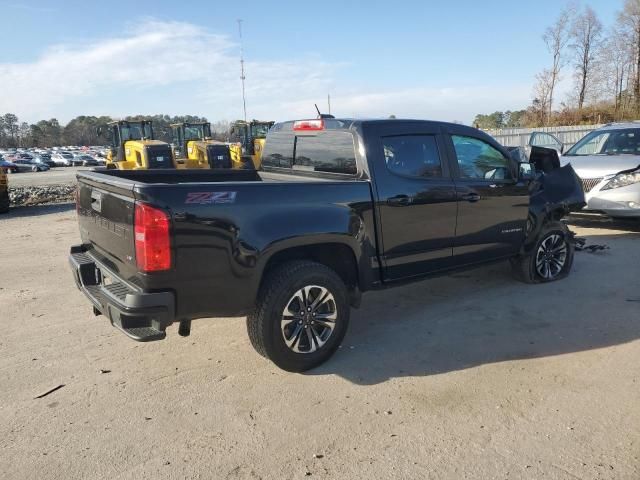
{"x": 346, "y": 123}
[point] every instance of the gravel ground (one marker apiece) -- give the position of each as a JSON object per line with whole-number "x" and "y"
{"x": 471, "y": 375}
{"x": 54, "y": 176}
{"x": 42, "y": 194}
{"x": 38, "y": 188}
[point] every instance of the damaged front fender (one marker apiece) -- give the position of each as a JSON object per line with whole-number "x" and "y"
{"x": 553, "y": 193}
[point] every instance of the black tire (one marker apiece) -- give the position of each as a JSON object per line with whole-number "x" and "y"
{"x": 524, "y": 266}
{"x": 279, "y": 287}
{"x": 4, "y": 201}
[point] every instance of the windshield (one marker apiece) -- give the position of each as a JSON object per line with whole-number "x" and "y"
{"x": 259, "y": 130}
{"x": 196, "y": 132}
{"x": 608, "y": 142}
{"x": 135, "y": 131}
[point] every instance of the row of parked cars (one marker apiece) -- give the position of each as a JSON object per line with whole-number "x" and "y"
{"x": 41, "y": 160}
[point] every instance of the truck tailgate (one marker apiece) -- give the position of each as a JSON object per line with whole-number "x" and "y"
{"x": 105, "y": 216}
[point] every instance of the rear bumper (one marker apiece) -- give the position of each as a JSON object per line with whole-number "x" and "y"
{"x": 141, "y": 316}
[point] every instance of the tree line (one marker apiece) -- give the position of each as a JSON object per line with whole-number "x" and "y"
{"x": 603, "y": 64}
{"x": 83, "y": 130}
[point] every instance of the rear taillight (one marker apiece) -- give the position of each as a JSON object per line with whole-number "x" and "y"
{"x": 153, "y": 249}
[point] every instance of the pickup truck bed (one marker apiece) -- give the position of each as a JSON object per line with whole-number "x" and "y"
{"x": 214, "y": 258}
{"x": 346, "y": 208}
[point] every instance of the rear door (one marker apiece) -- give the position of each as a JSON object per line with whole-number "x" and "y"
{"x": 492, "y": 205}
{"x": 415, "y": 196}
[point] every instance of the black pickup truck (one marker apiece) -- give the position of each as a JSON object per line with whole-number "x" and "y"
{"x": 339, "y": 207}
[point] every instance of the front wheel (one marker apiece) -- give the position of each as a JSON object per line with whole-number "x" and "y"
{"x": 550, "y": 259}
{"x": 301, "y": 315}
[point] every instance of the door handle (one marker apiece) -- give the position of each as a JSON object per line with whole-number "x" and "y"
{"x": 399, "y": 201}
{"x": 470, "y": 197}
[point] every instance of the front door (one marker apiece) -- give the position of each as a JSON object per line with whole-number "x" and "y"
{"x": 416, "y": 198}
{"x": 492, "y": 205}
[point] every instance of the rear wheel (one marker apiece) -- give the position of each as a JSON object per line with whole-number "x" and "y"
{"x": 301, "y": 315}
{"x": 550, "y": 259}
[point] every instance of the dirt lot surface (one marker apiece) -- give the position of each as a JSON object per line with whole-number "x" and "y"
{"x": 466, "y": 376}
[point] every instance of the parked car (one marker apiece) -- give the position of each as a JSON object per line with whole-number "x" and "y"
{"x": 64, "y": 159}
{"x": 607, "y": 160}
{"x": 23, "y": 156}
{"x": 355, "y": 206}
{"x": 30, "y": 166}
{"x": 7, "y": 166}
{"x": 44, "y": 158}
{"x": 85, "y": 160}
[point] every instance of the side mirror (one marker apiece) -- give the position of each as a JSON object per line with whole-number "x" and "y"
{"x": 525, "y": 171}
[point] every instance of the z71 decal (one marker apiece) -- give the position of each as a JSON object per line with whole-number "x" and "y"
{"x": 206, "y": 198}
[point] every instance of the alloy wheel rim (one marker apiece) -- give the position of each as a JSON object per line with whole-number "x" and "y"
{"x": 551, "y": 256}
{"x": 309, "y": 319}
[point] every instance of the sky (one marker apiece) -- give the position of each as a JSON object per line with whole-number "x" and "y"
{"x": 410, "y": 58}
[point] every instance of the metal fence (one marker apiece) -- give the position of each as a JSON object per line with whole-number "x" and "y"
{"x": 519, "y": 137}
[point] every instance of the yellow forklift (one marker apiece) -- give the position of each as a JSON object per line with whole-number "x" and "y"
{"x": 4, "y": 192}
{"x": 133, "y": 146}
{"x": 247, "y": 142}
{"x": 194, "y": 147}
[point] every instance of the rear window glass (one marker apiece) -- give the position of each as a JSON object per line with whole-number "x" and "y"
{"x": 278, "y": 150}
{"x": 331, "y": 152}
{"x": 328, "y": 151}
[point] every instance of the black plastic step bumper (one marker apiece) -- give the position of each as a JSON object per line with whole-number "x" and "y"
{"x": 143, "y": 317}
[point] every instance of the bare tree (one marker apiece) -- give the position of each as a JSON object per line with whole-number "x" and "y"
{"x": 556, "y": 38}
{"x": 629, "y": 20}
{"x": 542, "y": 96}
{"x": 586, "y": 38}
{"x": 612, "y": 66}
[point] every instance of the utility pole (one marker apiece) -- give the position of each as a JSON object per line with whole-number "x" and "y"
{"x": 242, "y": 77}
{"x": 329, "y": 102}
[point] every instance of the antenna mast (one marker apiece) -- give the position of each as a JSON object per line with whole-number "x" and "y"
{"x": 242, "y": 77}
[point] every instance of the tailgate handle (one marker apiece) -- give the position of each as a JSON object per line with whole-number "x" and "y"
{"x": 96, "y": 201}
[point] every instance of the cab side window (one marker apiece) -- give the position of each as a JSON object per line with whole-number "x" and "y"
{"x": 412, "y": 156}
{"x": 479, "y": 160}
